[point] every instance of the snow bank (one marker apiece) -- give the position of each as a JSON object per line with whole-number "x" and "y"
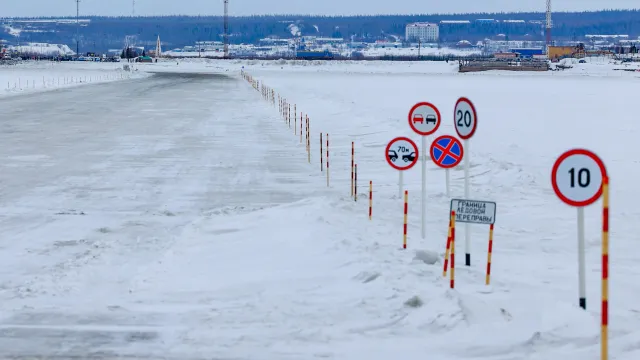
{"x": 32, "y": 76}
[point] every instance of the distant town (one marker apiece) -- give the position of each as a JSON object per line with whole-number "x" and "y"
{"x": 303, "y": 39}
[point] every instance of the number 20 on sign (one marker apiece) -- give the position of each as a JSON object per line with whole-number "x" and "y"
{"x": 579, "y": 178}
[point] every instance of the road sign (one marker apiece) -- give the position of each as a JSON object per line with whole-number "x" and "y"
{"x": 446, "y": 151}
{"x": 402, "y": 153}
{"x": 577, "y": 177}
{"x": 474, "y": 211}
{"x": 465, "y": 118}
{"x": 424, "y": 118}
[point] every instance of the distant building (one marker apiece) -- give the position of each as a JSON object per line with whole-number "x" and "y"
{"x": 422, "y": 31}
{"x": 455, "y": 22}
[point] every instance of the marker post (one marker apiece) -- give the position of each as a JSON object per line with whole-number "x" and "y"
{"x": 327, "y": 159}
{"x": 424, "y": 119}
{"x": 321, "y": 155}
{"x": 465, "y": 121}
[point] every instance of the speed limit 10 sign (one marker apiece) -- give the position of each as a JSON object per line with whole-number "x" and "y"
{"x": 465, "y": 118}
{"x": 577, "y": 177}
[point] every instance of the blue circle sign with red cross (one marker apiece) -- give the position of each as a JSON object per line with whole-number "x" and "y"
{"x": 446, "y": 151}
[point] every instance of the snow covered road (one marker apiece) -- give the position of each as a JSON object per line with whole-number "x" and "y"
{"x": 100, "y": 182}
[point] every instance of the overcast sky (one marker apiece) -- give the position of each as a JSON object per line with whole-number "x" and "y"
{"x": 326, "y": 7}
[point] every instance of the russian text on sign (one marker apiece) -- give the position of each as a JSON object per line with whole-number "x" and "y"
{"x": 474, "y": 211}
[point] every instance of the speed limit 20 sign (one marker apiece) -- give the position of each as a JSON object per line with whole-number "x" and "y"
{"x": 465, "y": 118}
{"x": 577, "y": 177}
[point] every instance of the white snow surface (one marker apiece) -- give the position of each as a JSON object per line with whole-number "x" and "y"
{"x": 178, "y": 217}
{"x": 42, "y": 49}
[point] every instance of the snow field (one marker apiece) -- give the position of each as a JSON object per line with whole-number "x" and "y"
{"x": 181, "y": 219}
{"x": 526, "y": 121}
{"x": 32, "y": 77}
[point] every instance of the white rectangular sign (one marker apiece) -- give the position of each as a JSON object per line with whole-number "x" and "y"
{"x": 474, "y": 211}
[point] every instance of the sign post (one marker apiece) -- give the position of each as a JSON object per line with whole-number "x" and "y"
{"x": 402, "y": 154}
{"x": 577, "y": 177}
{"x": 472, "y": 212}
{"x": 424, "y": 119}
{"x": 447, "y": 152}
{"x": 465, "y": 120}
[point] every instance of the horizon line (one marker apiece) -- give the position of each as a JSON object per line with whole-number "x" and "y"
{"x": 320, "y": 15}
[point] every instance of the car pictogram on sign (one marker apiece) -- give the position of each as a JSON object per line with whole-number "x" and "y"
{"x": 393, "y": 155}
{"x": 409, "y": 157}
{"x": 424, "y": 118}
{"x": 402, "y": 153}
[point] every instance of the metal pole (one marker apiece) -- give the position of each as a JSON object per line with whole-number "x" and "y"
{"x": 448, "y": 179}
{"x": 424, "y": 185}
{"x": 581, "y": 275}
{"x": 467, "y": 229}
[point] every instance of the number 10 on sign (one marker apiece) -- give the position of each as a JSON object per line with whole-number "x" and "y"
{"x": 577, "y": 177}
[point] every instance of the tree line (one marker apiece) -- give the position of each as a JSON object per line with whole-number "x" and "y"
{"x": 104, "y": 33}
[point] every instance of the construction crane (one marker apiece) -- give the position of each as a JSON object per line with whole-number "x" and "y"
{"x": 225, "y": 36}
{"x": 549, "y": 24}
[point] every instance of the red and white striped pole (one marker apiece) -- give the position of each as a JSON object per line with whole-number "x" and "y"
{"x": 453, "y": 250}
{"x": 370, "y": 199}
{"x": 308, "y": 140}
{"x": 488, "y": 280}
{"x": 604, "y": 326}
{"x": 352, "y": 162}
{"x": 327, "y": 160}
{"x": 355, "y": 183}
{"x": 406, "y": 210}
{"x": 447, "y": 251}
{"x": 300, "y": 128}
{"x": 321, "y": 155}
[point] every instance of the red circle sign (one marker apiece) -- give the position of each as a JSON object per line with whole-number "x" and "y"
{"x": 402, "y": 153}
{"x": 465, "y": 118}
{"x": 446, "y": 151}
{"x": 577, "y": 177}
{"x": 424, "y": 118}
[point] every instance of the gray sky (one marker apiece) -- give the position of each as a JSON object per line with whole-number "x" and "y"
{"x": 326, "y": 7}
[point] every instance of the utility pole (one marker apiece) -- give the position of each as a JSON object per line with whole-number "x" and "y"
{"x": 226, "y": 29}
{"x": 133, "y": 8}
{"x": 549, "y": 25}
{"x": 78, "y": 28}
